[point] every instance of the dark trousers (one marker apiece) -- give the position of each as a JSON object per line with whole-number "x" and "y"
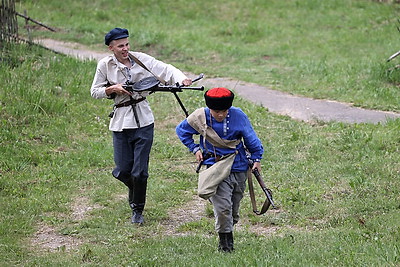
{"x": 131, "y": 155}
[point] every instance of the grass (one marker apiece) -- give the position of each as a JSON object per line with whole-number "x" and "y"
{"x": 337, "y": 185}
{"x": 335, "y": 50}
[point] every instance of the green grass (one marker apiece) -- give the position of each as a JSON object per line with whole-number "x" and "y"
{"x": 324, "y": 49}
{"x": 337, "y": 185}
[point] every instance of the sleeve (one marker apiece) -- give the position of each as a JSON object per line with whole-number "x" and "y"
{"x": 185, "y": 133}
{"x": 251, "y": 140}
{"x": 165, "y": 71}
{"x": 98, "y": 89}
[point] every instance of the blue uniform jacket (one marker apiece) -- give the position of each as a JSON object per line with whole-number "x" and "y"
{"x": 235, "y": 126}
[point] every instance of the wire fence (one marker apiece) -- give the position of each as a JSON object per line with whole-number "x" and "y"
{"x": 8, "y": 22}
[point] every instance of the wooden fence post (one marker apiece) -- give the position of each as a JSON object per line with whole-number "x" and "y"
{"x": 8, "y": 22}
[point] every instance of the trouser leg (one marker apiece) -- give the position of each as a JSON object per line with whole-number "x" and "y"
{"x": 237, "y": 195}
{"x": 131, "y": 156}
{"x": 140, "y": 170}
{"x": 226, "y": 201}
{"x": 222, "y": 205}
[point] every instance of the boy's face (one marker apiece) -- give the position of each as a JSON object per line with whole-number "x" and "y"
{"x": 120, "y": 48}
{"x": 219, "y": 115}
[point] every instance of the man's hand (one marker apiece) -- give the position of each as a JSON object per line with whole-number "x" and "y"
{"x": 187, "y": 82}
{"x": 117, "y": 89}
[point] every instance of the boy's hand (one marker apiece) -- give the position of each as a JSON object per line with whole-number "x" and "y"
{"x": 257, "y": 165}
{"x": 199, "y": 156}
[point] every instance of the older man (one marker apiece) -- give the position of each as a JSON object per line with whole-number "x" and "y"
{"x": 132, "y": 122}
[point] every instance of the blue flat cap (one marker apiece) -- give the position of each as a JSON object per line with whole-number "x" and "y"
{"x": 115, "y": 34}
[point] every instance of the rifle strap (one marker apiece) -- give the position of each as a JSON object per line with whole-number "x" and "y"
{"x": 253, "y": 197}
{"x": 129, "y": 102}
{"x": 140, "y": 63}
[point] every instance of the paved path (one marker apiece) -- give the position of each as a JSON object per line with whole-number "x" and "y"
{"x": 299, "y": 108}
{"x": 302, "y": 108}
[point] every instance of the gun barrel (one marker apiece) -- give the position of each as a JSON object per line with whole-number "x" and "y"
{"x": 198, "y": 78}
{"x": 201, "y": 88}
{"x": 263, "y": 186}
{"x": 166, "y": 88}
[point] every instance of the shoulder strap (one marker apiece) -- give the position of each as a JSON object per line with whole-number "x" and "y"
{"x": 198, "y": 121}
{"x": 140, "y": 63}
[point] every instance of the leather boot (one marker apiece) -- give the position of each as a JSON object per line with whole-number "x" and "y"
{"x": 137, "y": 194}
{"x": 223, "y": 245}
{"x": 137, "y": 199}
{"x": 230, "y": 241}
{"x": 137, "y": 216}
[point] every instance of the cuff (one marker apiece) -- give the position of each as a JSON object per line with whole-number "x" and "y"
{"x": 195, "y": 150}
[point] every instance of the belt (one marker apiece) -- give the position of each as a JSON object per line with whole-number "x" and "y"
{"x": 129, "y": 103}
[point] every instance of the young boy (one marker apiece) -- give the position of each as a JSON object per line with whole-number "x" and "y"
{"x": 230, "y": 124}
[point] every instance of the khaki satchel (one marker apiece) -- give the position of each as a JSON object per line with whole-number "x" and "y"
{"x": 210, "y": 178}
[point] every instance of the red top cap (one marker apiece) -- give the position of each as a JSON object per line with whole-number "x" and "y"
{"x": 219, "y": 92}
{"x": 219, "y": 98}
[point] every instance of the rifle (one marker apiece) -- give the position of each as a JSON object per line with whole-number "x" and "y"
{"x": 152, "y": 84}
{"x": 269, "y": 201}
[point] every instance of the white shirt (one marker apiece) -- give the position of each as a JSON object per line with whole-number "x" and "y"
{"x": 110, "y": 71}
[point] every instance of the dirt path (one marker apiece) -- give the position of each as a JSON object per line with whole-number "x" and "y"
{"x": 299, "y": 108}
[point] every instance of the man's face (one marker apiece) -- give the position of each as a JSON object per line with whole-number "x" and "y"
{"x": 120, "y": 48}
{"x": 219, "y": 115}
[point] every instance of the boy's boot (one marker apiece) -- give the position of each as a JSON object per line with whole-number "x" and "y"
{"x": 230, "y": 241}
{"x": 224, "y": 242}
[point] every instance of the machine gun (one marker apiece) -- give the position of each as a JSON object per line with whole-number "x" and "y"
{"x": 269, "y": 201}
{"x": 152, "y": 84}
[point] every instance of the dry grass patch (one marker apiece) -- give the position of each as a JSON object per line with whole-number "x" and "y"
{"x": 49, "y": 238}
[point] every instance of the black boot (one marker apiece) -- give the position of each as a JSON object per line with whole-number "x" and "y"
{"x": 137, "y": 199}
{"x": 137, "y": 213}
{"x": 225, "y": 245}
{"x": 137, "y": 217}
{"x": 230, "y": 241}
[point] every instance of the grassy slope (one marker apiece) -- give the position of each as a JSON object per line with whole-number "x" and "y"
{"x": 337, "y": 185}
{"x": 323, "y": 49}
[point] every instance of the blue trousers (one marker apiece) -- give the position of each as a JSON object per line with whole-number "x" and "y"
{"x": 131, "y": 156}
